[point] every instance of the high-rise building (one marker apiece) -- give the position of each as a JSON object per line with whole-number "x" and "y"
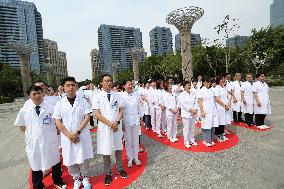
{"x": 95, "y": 63}
{"x": 114, "y": 44}
{"x": 236, "y": 41}
{"x": 57, "y": 59}
{"x": 161, "y": 41}
{"x": 277, "y": 13}
{"x": 20, "y": 21}
{"x": 195, "y": 41}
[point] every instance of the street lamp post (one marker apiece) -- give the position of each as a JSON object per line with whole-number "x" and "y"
{"x": 24, "y": 51}
{"x": 114, "y": 67}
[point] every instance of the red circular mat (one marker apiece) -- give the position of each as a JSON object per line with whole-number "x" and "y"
{"x": 219, "y": 146}
{"x": 98, "y": 180}
{"x": 254, "y": 128}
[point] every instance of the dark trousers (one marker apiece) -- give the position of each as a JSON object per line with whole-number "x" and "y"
{"x": 249, "y": 119}
{"x": 237, "y": 116}
{"x": 92, "y": 121}
{"x": 37, "y": 177}
{"x": 259, "y": 119}
{"x": 148, "y": 121}
{"x": 219, "y": 130}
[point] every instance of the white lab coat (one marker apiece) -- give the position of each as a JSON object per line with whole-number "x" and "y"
{"x": 145, "y": 104}
{"x": 171, "y": 102}
{"x": 187, "y": 101}
{"x": 40, "y": 135}
{"x": 153, "y": 99}
{"x": 131, "y": 118}
{"x": 107, "y": 140}
{"x": 248, "y": 95}
{"x": 224, "y": 117}
{"x": 236, "y": 86}
{"x": 209, "y": 105}
{"x": 262, "y": 91}
{"x": 71, "y": 118}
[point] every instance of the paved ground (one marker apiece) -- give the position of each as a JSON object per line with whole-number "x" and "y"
{"x": 256, "y": 162}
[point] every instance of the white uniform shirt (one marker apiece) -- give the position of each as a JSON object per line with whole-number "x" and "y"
{"x": 236, "y": 86}
{"x": 187, "y": 101}
{"x": 247, "y": 88}
{"x": 209, "y": 106}
{"x": 40, "y": 135}
{"x": 153, "y": 98}
{"x": 107, "y": 140}
{"x": 224, "y": 117}
{"x": 72, "y": 117}
{"x": 132, "y": 110}
{"x": 262, "y": 91}
{"x": 145, "y": 104}
{"x": 170, "y": 101}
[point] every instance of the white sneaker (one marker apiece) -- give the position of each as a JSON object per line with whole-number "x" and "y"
{"x": 175, "y": 139}
{"x": 86, "y": 183}
{"x": 225, "y": 138}
{"x": 260, "y": 127}
{"x": 129, "y": 164}
{"x": 172, "y": 140}
{"x": 194, "y": 143}
{"x": 265, "y": 126}
{"x": 208, "y": 144}
{"x": 212, "y": 143}
{"x": 160, "y": 135}
{"x": 77, "y": 184}
{"x": 187, "y": 145}
{"x": 220, "y": 139}
{"x": 137, "y": 162}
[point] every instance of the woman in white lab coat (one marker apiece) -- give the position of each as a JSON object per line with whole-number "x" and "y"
{"x": 172, "y": 110}
{"x": 187, "y": 103}
{"x": 223, "y": 102}
{"x": 35, "y": 119}
{"x": 262, "y": 105}
{"x": 160, "y": 110}
{"x": 247, "y": 99}
{"x": 146, "y": 106}
{"x": 72, "y": 116}
{"x": 132, "y": 117}
{"x": 208, "y": 112}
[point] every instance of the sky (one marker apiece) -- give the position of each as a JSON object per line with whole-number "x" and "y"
{"x": 73, "y": 24}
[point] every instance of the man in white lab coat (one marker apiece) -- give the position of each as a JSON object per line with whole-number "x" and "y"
{"x": 247, "y": 99}
{"x": 72, "y": 115}
{"x": 41, "y": 138}
{"x": 107, "y": 106}
{"x": 262, "y": 105}
{"x": 132, "y": 119}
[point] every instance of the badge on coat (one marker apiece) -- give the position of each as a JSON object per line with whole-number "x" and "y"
{"x": 115, "y": 106}
{"x": 46, "y": 120}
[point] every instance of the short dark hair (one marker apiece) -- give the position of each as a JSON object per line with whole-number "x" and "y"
{"x": 259, "y": 74}
{"x": 33, "y": 88}
{"x": 103, "y": 76}
{"x": 68, "y": 79}
{"x": 193, "y": 80}
{"x": 218, "y": 79}
{"x": 159, "y": 82}
{"x": 125, "y": 81}
{"x": 185, "y": 83}
{"x": 166, "y": 86}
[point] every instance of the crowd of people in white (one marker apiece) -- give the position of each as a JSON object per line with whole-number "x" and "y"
{"x": 119, "y": 110}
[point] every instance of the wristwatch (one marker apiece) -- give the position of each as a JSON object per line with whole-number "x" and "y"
{"x": 78, "y": 132}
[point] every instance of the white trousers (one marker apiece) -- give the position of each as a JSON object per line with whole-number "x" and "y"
{"x": 188, "y": 129}
{"x": 132, "y": 142}
{"x": 158, "y": 121}
{"x": 172, "y": 126}
{"x": 164, "y": 121}
{"x": 153, "y": 117}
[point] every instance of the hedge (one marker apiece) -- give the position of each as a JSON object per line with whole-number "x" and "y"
{"x": 6, "y": 100}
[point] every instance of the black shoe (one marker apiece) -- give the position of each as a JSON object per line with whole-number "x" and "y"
{"x": 108, "y": 180}
{"x": 122, "y": 173}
